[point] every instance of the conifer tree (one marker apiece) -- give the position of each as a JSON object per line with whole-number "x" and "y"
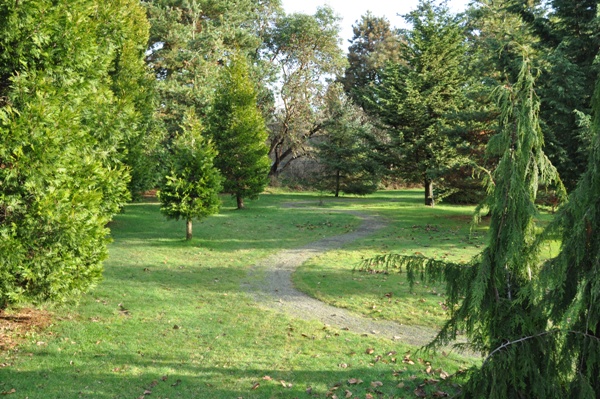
{"x": 345, "y": 151}
{"x": 490, "y": 298}
{"x": 415, "y": 95}
{"x": 69, "y": 106}
{"x": 373, "y": 45}
{"x": 239, "y": 133}
{"x": 191, "y": 189}
{"x": 572, "y": 279}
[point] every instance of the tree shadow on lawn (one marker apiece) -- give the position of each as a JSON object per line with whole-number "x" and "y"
{"x": 228, "y": 232}
{"x": 166, "y": 377}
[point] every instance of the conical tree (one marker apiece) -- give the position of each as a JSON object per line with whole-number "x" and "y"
{"x": 490, "y": 298}
{"x": 191, "y": 190}
{"x": 239, "y": 132}
{"x": 574, "y": 278}
{"x": 344, "y": 151}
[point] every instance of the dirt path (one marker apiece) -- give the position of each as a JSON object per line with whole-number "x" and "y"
{"x": 276, "y": 290}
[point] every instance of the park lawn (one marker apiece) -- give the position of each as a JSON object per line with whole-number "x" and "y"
{"x": 170, "y": 320}
{"x": 445, "y": 232}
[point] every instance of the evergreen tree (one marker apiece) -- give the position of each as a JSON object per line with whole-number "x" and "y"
{"x": 372, "y": 46}
{"x": 189, "y": 43}
{"x": 65, "y": 121}
{"x": 344, "y": 151}
{"x": 491, "y": 298}
{"x": 570, "y": 41}
{"x": 415, "y": 96}
{"x": 239, "y": 133}
{"x": 571, "y": 284}
{"x": 191, "y": 190}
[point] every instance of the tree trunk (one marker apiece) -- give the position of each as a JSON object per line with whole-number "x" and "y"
{"x": 337, "y": 184}
{"x": 240, "y": 202}
{"x": 188, "y": 229}
{"x": 429, "y": 201}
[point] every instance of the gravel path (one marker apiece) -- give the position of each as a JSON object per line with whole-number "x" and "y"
{"x": 276, "y": 290}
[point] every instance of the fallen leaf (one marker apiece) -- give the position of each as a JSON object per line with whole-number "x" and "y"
{"x": 147, "y": 392}
{"x": 256, "y": 385}
{"x": 176, "y": 383}
{"x": 153, "y": 384}
{"x": 420, "y": 392}
{"x": 9, "y": 392}
{"x": 164, "y": 377}
{"x": 285, "y": 384}
{"x": 343, "y": 365}
{"x": 440, "y": 394}
{"x": 368, "y": 396}
{"x": 267, "y": 378}
{"x": 444, "y": 375}
{"x": 354, "y": 381}
{"x": 348, "y": 394}
{"x": 369, "y": 351}
{"x": 376, "y": 384}
{"x": 428, "y": 370}
{"x": 401, "y": 385}
{"x": 309, "y": 390}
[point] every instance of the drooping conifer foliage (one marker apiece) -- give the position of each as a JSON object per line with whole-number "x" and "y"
{"x": 490, "y": 298}
{"x": 69, "y": 75}
{"x": 572, "y": 279}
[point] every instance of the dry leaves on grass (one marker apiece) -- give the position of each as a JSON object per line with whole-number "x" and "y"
{"x": 15, "y": 325}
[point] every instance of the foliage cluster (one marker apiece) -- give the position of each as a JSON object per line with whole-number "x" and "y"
{"x": 72, "y": 106}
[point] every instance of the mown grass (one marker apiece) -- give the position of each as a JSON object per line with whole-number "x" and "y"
{"x": 445, "y": 232}
{"x": 170, "y": 320}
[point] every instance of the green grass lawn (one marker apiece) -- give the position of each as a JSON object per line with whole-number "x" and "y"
{"x": 445, "y": 232}
{"x": 170, "y": 320}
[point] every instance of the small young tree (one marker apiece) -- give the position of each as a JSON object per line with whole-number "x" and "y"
{"x": 344, "y": 151}
{"x": 239, "y": 132}
{"x": 191, "y": 190}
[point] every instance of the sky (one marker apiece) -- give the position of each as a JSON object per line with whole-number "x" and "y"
{"x": 352, "y": 10}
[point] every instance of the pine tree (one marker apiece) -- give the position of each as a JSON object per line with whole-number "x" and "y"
{"x": 239, "y": 133}
{"x": 191, "y": 190}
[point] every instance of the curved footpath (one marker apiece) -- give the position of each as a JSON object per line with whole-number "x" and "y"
{"x": 276, "y": 290}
